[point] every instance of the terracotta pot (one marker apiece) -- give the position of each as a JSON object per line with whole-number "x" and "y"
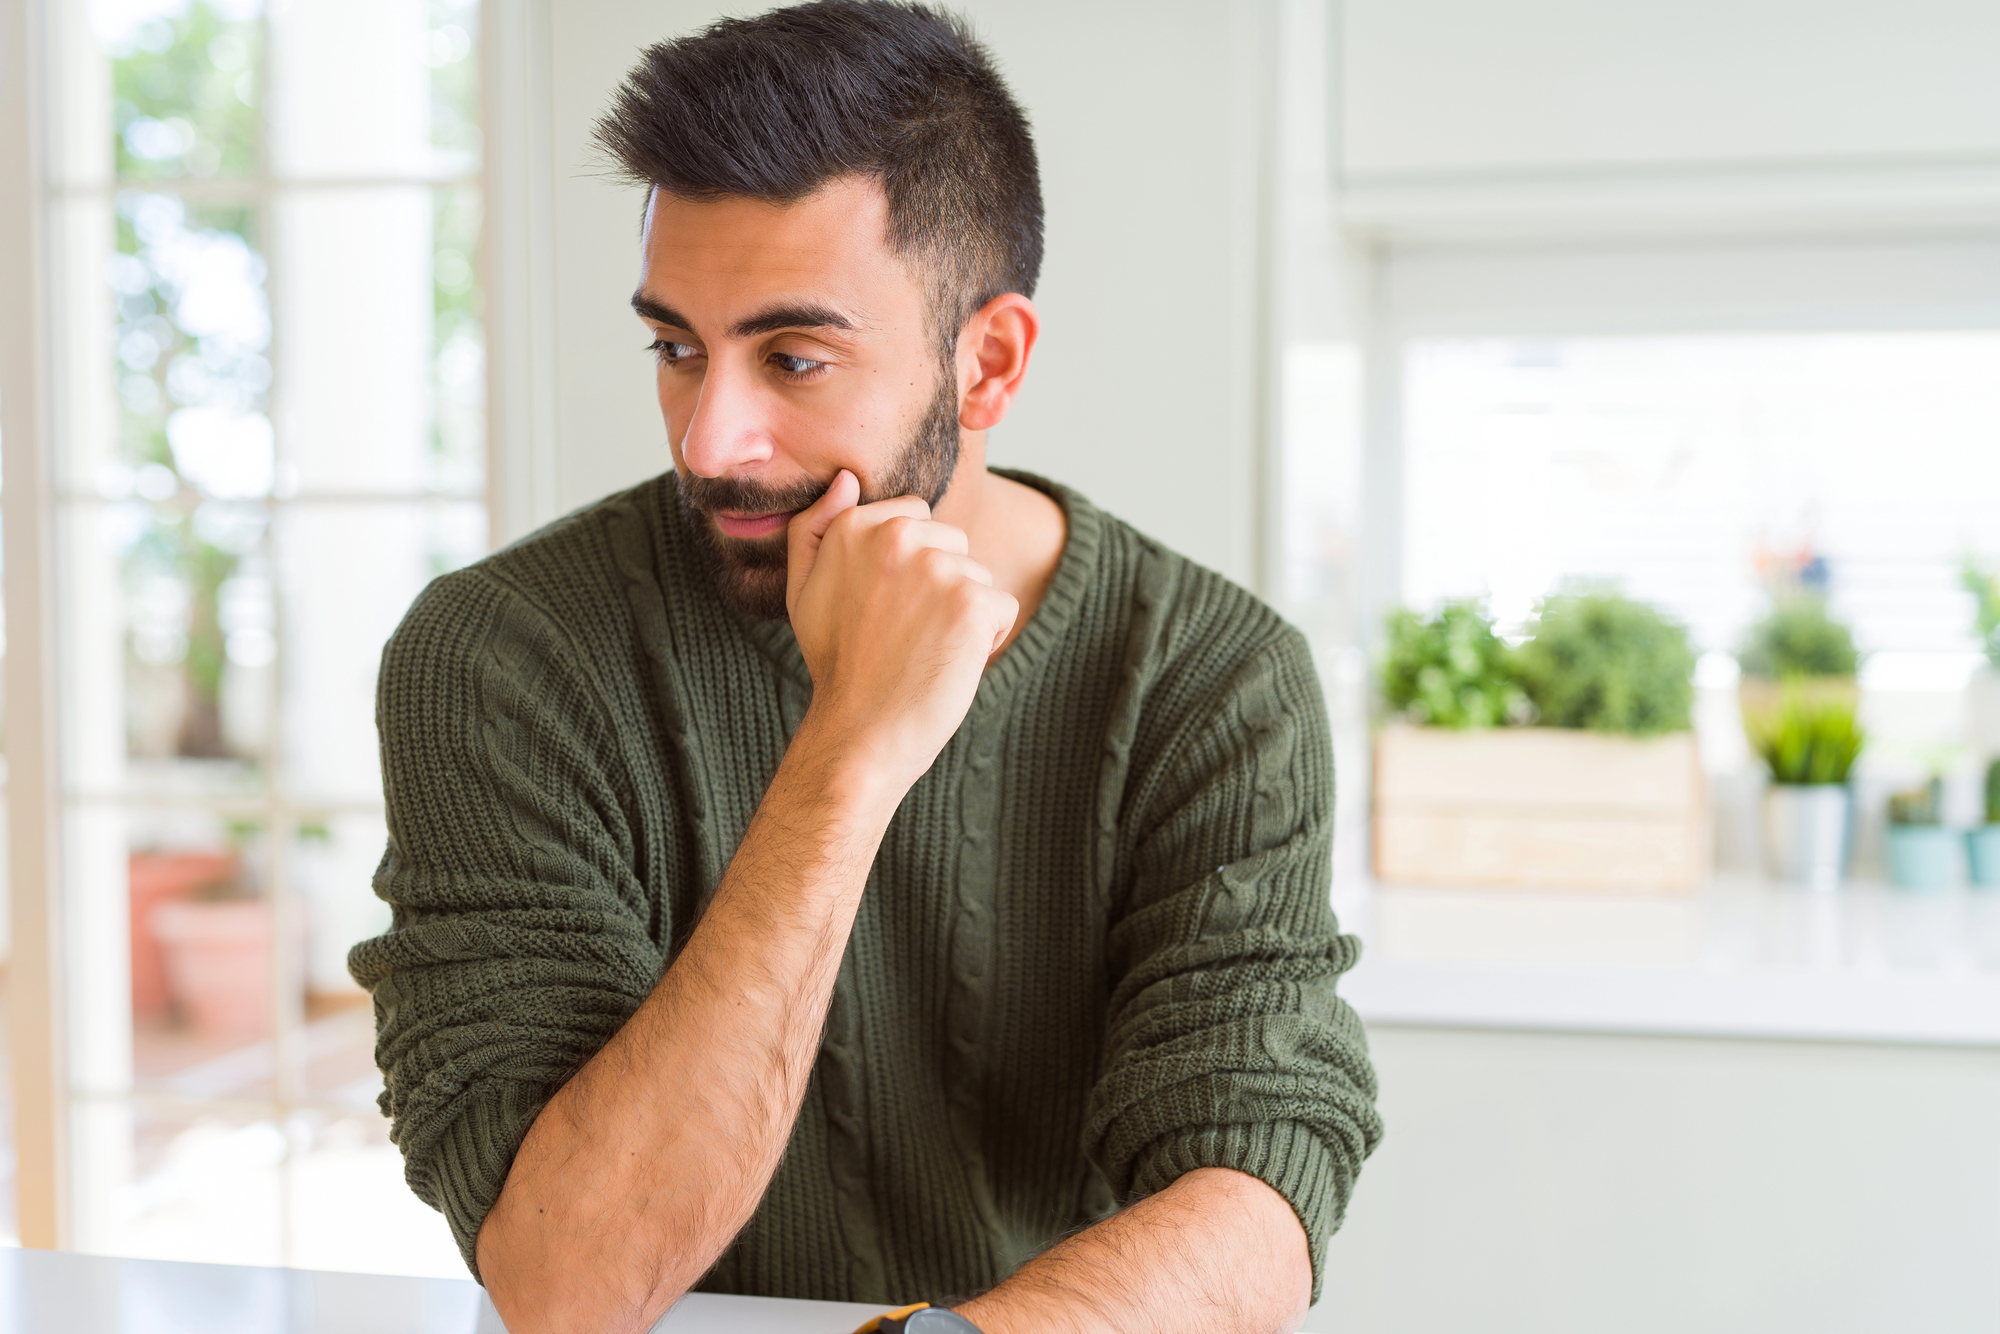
{"x": 219, "y": 964}
{"x": 154, "y": 878}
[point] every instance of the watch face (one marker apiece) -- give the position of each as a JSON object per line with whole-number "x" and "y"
{"x": 937, "y": 1320}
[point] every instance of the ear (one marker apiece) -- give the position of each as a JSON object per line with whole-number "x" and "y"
{"x": 993, "y": 358}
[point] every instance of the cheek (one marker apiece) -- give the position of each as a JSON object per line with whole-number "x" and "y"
{"x": 859, "y": 422}
{"x": 678, "y": 394}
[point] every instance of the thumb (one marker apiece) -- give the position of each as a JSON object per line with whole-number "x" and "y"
{"x": 809, "y": 525}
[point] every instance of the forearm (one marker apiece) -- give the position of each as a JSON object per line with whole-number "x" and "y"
{"x": 647, "y": 1163}
{"x": 1217, "y": 1252}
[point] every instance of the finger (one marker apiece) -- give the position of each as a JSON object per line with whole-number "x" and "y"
{"x": 917, "y": 535}
{"x": 808, "y": 527}
{"x": 1006, "y": 610}
{"x": 952, "y": 564}
{"x": 897, "y": 507}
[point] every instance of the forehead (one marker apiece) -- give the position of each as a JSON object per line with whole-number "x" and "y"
{"x": 718, "y": 260}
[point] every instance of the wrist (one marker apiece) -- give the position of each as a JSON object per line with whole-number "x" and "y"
{"x": 850, "y": 779}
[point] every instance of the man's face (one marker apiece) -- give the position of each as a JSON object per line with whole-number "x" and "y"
{"x": 792, "y": 343}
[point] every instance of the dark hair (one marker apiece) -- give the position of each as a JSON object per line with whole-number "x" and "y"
{"x": 775, "y": 106}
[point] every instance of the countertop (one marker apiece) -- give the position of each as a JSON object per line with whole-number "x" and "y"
{"x": 1742, "y": 957}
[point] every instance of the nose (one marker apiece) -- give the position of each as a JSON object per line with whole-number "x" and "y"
{"x": 728, "y": 430}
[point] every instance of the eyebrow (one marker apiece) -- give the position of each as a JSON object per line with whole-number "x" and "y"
{"x": 799, "y": 316}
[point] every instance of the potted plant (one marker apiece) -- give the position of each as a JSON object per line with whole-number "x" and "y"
{"x": 218, "y": 950}
{"x": 1922, "y": 852}
{"x": 1451, "y": 670}
{"x": 1983, "y": 702}
{"x": 1798, "y": 643}
{"x": 1607, "y": 663}
{"x": 1809, "y": 742}
{"x": 1607, "y": 794}
{"x": 1982, "y": 845}
{"x": 155, "y": 877}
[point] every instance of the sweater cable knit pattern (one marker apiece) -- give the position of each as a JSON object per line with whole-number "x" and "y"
{"x": 1095, "y": 951}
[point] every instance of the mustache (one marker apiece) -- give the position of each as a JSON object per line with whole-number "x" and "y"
{"x": 709, "y": 495}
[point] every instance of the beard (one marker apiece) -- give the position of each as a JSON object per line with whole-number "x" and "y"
{"x": 751, "y": 574}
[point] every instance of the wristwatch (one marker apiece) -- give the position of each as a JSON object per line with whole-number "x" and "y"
{"x": 922, "y": 1318}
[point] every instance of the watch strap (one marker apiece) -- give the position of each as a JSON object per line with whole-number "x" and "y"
{"x": 919, "y": 1318}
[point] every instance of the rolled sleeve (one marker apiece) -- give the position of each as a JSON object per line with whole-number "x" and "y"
{"x": 1227, "y": 1044}
{"x": 519, "y": 942}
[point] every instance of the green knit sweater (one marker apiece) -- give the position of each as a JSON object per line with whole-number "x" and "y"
{"x": 1095, "y": 951}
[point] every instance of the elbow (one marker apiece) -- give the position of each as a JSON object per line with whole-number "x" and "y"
{"x": 546, "y": 1279}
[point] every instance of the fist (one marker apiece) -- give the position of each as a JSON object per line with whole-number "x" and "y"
{"x": 895, "y": 621}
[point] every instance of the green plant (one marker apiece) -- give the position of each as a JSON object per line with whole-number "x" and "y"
{"x": 1993, "y": 792}
{"x": 1984, "y": 585}
{"x": 1918, "y": 806}
{"x": 1605, "y": 662}
{"x": 1450, "y": 670}
{"x": 1798, "y": 638}
{"x": 1807, "y": 739}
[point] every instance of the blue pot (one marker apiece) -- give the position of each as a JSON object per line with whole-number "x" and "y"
{"x": 1922, "y": 856}
{"x": 1982, "y": 849}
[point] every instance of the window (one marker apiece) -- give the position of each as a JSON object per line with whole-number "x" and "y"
{"x": 1698, "y": 469}
{"x": 1703, "y": 472}
{"x": 269, "y": 435}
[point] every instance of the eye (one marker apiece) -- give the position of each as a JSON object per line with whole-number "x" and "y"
{"x": 671, "y": 353}
{"x": 795, "y": 367}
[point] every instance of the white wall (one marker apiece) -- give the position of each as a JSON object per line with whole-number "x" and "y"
{"x": 1434, "y": 86}
{"x": 1144, "y": 392}
{"x": 1554, "y": 1184}
{"x": 1504, "y": 117}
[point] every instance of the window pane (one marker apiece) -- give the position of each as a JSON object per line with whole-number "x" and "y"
{"x": 451, "y": 49}
{"x": 1703, "y": 471}
{"x": 203, "y": 951}
{"x": 333, "y": 867}
{"x": 200, "y": 1186}
{"x": 350, "y": 89}
{"x": 352, "y": 571}
{"x": 383, "y": 378}
{"x": 350, "y": 1208}
{"x": 458, "y": 365}
{"x": 185, "y": 84}
{"x": 194, "y": 326}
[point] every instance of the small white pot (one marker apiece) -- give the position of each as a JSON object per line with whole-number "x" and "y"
{"x": 1807, "y": 833}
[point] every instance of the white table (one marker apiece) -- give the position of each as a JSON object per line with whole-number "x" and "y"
{"x": 54, "y": 1292}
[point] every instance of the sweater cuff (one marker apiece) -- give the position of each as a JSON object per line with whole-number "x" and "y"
{"x": 1285, "y": 1155}
{"x": 468, "y": 1164}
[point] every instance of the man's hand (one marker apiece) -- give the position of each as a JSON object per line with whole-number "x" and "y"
{"x": 896, "y": 623}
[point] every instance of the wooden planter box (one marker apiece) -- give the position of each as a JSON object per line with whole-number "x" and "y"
{"x": 1540, "y": 808}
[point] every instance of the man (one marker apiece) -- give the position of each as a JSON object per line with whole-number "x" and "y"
{"x": 834, "y": 869}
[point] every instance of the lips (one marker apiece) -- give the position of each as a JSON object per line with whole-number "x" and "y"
{"x": 751, "y": 526}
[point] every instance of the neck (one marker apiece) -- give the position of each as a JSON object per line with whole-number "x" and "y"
{"x": 1015, "y": 531}
{"x": 967, "y": 498}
